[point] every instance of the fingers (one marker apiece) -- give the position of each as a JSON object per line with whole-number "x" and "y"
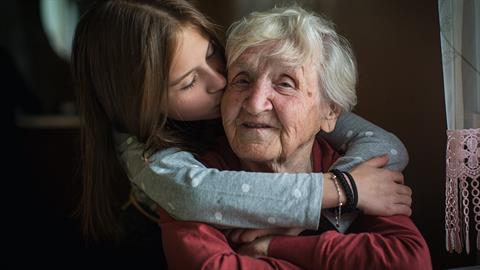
{"x": 401, "y": 209}
{"x": 294, "y": 231}
{"x": 404, "y": 190}
{"x": 401, "y": 206}
{"x": 250, "y": 235}
{"x": 246, "y": 250}
{"x": 397, "y": 177}
{"x": 257, "y": 248}
{"x": 378, "y": 162}
{"x": 404, "y": 199}
{"x": 234, "y": 235}
{"x": 240, "y": 236}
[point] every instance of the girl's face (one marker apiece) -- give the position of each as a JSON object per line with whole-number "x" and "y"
{"x": 196, "y": 78}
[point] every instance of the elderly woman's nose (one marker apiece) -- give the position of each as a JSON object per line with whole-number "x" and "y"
{"x": 258, "y": 98}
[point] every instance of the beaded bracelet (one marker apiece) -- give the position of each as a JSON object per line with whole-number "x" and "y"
{"x": 339, "y": 210}
{"x": 350, "y": 206}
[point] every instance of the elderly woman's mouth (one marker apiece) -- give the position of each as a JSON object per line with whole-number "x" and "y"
{"x": 255, "y": 125}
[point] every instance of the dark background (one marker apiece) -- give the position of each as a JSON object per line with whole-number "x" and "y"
{"x": 397, "y": 45}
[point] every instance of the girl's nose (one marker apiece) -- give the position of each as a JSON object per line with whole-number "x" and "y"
{"x": 217, "y": 82}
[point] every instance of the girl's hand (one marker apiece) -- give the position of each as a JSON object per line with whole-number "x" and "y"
{"x": 380, "y": 191}
{"x": 242, "y": 236}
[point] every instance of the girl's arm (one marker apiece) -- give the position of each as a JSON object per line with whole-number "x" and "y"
{"x": 362, "y": 140}
{"x": 188, "y": 191}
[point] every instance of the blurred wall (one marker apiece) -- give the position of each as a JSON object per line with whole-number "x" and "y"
{"x": 46, "y": 74}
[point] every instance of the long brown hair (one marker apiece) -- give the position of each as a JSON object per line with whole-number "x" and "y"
{"x": 121, "y": 57}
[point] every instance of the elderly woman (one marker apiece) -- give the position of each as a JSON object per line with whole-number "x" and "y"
{"x": 289, "y": 77}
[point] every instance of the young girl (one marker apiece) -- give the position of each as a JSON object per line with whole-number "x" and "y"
{"x": 155, "y": 70}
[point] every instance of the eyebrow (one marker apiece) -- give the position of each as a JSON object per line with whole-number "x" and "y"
{"x": 283, "y": 66}
{"x": 242, "y": 66}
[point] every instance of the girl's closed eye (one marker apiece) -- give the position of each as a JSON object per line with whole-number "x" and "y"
{"x": 191, "y": 84}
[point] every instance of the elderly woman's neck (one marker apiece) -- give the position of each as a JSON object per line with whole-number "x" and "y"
{"x": 297, "y": 162}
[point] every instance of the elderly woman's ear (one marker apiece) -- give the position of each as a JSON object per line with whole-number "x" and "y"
{"x": 329, "y": 119}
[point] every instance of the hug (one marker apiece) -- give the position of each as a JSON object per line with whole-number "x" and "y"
{"x": 248, "y": 157}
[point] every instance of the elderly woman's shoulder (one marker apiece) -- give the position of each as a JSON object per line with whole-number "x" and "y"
{"x": 221, "y": 156}
{"x": 326, "y": 152}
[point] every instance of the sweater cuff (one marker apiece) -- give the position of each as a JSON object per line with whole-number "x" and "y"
{"x": 314, "y": 207}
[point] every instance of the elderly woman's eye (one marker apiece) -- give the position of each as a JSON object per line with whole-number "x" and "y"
{"x": 241, "y": 81}
{"x": 286, "y": 83}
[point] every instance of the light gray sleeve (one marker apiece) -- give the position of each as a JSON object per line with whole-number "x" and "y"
{"x": 188, "y": 191}
{"x": 363, "y": 140}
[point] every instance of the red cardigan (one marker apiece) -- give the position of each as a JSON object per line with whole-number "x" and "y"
{"x": 371, "y": 243}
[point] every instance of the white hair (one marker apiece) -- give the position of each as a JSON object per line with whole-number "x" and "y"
{"x": 295, "y": 35}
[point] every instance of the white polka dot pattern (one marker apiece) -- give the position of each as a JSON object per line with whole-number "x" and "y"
{"x": 196, "y": 181}
{"x": 271, "y": 220}
{"x": 245, "y": 188}
{"x": 369, "y": 133}
{"x": 218, "y": 216}
{"x": 297, "y": 193}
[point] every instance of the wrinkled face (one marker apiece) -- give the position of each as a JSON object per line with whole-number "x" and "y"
{"x": 196, "y": 78}
{"x": 272, "y": 112}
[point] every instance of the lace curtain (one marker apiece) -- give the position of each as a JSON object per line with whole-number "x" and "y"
{"x": 460, "y": 41}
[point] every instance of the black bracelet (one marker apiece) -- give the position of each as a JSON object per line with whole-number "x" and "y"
{"x": 346, "y": 188}
{"x": 354, "y": 189}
